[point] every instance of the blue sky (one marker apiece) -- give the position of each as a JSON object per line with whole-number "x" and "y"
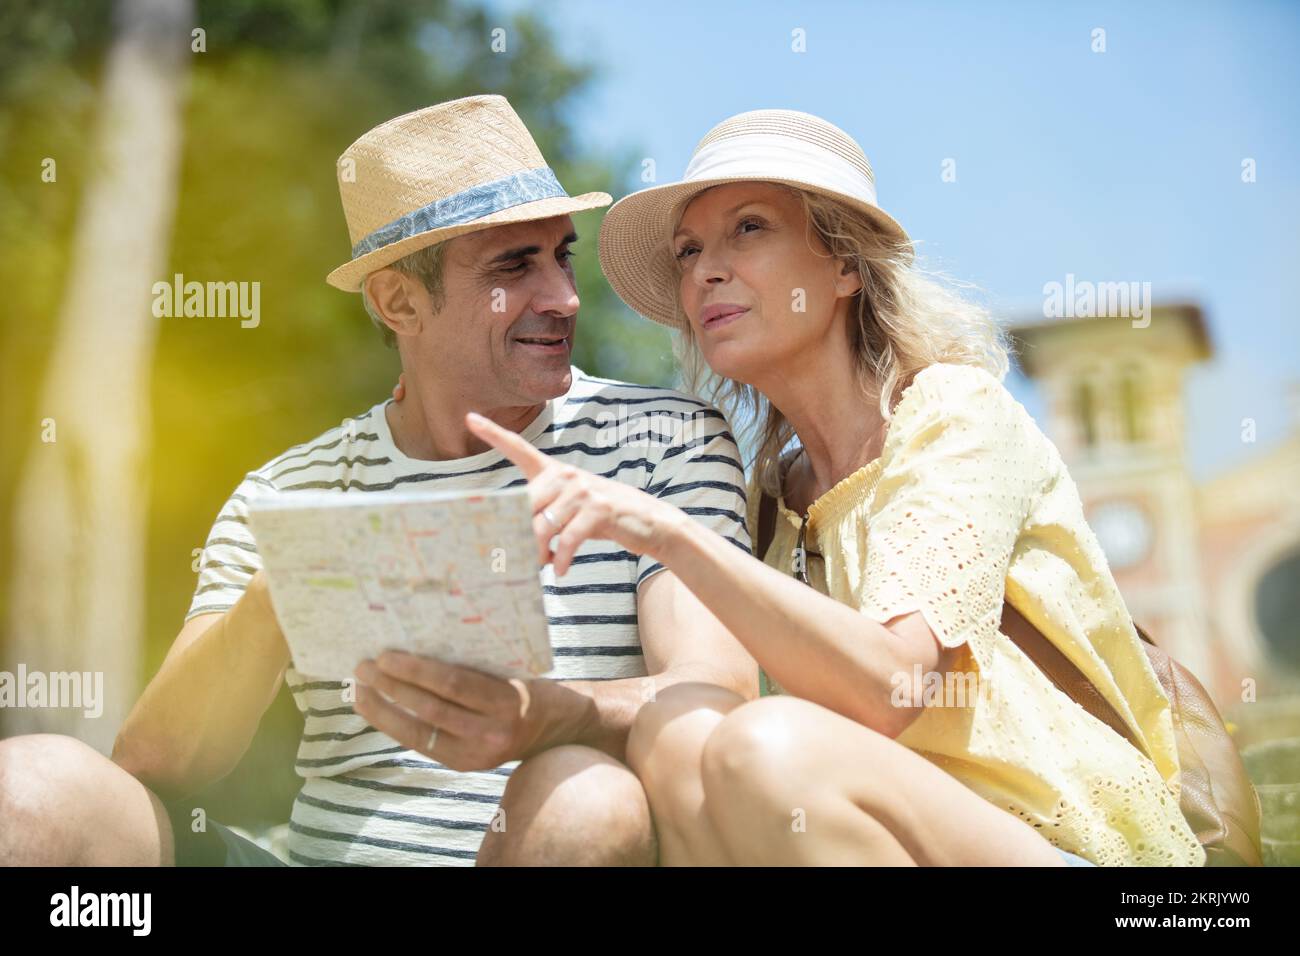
{"x": 1115, "y": 166}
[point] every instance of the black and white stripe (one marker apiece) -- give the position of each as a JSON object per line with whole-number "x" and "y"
{"x": 365, "y": 800}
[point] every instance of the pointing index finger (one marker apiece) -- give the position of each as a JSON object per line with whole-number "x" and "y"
{"x": 529, "y": 459}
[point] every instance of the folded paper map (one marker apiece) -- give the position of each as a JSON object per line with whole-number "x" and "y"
{"x": 453, "y": 576}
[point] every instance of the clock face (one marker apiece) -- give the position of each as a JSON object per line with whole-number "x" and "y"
{"x": 1124, "y": 531}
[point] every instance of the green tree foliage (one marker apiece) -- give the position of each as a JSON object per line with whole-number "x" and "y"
{"x": 280, "y": 91}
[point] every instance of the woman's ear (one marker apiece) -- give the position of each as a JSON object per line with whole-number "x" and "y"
{"x": 848, "y": 280}
{"x": 391, "y": 295}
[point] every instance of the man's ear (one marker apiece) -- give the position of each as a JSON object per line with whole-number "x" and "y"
{"x": 848, "y": 280}
{"x": 392, "y": 295}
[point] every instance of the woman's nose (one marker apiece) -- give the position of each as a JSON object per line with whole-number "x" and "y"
{"x": 711, "y": 268}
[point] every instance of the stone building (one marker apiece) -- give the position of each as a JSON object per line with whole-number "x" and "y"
{"x": 1210, "y": 569}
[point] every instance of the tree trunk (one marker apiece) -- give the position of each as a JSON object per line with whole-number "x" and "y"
{"x": 78, "y": 588}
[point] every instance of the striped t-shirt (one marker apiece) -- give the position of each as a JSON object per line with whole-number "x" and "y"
{"x": 367, "y": 800}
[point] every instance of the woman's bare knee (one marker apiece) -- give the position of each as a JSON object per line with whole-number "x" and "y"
{"x": 675, "y": 718}
{"x": 775, "y": 794}
{"x": 64, "y": 803}
{"x": 664, "y": 748}
{"x": 759, "y": 743}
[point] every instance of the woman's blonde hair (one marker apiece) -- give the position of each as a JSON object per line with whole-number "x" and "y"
{"x": 906, "y": 318}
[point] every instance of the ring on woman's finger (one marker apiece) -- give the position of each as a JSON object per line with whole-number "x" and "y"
{"x": 546, "y": 513}
{"x": 431, "y": 742}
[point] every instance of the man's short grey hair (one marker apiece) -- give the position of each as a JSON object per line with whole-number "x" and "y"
{"x": 422, "y": 264}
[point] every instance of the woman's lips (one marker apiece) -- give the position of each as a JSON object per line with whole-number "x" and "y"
{"x": 723, "y": 317}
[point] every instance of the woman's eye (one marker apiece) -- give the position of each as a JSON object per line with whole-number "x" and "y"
{"x": 757, "y": 224}
{"x": 685, "y": 251}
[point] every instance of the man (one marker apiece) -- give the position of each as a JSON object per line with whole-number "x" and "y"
{"x": 461, "y": 244}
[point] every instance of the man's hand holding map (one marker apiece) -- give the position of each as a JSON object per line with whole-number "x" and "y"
{"x": 452, "y": 576}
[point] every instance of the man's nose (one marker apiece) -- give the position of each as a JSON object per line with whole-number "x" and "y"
{"x": 558, "y": 295}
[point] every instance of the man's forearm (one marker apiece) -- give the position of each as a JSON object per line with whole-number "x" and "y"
{"x": 200, "y": 712}
{"x": 599, "y": 714}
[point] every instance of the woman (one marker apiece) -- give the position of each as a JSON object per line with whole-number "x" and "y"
{"x": 919, "y": 496}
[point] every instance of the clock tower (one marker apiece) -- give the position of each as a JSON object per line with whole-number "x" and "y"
{"x": 1113, "y": 388}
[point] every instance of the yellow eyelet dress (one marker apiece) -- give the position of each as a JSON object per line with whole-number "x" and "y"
{"x": 968, "y": 503}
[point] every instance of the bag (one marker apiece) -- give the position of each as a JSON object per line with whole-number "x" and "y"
{"x": 1217, "y": 798}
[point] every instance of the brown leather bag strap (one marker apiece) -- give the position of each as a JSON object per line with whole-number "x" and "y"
{"x": 1143, "y": 634}
{"x": 767, "y": 511}
{"x": 1062, "y": 672}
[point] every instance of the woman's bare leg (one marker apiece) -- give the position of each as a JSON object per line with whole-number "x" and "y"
{"x": 787, "y": 781}
{"x": 664, "y": 748}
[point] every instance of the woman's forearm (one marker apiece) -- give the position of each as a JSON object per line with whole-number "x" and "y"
{"x": 812, "y": 645}
{"x": 198, "y": 715}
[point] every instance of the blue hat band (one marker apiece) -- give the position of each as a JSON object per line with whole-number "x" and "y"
{"x": 462, "y": 207}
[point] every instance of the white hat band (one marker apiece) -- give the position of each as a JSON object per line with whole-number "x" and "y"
{"x": 773, "y": 156}
{"x": 785, "y": 147}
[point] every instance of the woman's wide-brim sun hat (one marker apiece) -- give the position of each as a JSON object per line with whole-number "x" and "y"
{"x": 441, "y": 172}
{"x": 781, "y": 146}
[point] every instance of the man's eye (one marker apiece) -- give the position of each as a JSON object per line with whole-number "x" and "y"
{"x": 568, "y": 254}
{"x": 518, "y": 268}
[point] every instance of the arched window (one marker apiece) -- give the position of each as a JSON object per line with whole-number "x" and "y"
{"x": 1277, "y": 608}
{"x": 1085, "y": 411}
{"x": 1130, "y": 398}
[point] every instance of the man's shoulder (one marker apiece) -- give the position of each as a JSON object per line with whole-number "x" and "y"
{"x": 592, "y": 390}
{"x": 356, "y": 439}
{"x": 675, "y": 417}
{"x": 657, "y": 409}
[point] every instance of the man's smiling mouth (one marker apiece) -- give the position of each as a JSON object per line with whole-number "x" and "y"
{"x": 549, "y": 342}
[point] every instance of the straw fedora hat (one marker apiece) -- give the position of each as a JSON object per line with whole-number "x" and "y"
{"x": 781, "y": 146}
{"x": 441, "y": 172}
